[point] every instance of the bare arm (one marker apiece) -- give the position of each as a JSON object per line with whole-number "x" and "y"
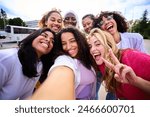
{"x": 59, "y": 85}
{"x": 143, "y": 84}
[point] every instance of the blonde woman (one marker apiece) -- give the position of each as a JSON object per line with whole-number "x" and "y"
{"x": 125, "y": 71}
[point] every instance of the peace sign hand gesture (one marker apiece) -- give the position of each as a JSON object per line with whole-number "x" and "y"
{"x": 123, "y": 73}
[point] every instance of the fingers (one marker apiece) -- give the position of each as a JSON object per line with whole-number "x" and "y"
{"x": 108, "y": 64}
{"x": 116, "y": 61}
{"x": 117, "y": 77}
{"x": 118, "y": 68}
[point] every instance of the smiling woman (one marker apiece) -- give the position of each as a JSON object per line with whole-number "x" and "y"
{"x": 21, "y": 68}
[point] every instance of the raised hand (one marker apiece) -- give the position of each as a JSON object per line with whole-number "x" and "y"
{"x": 123, "y": 73}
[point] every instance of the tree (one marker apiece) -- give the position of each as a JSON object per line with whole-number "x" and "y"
{"x": 3, "y": 18}
{"x": 142, "y": 26}
{"x": 16, "y": 21}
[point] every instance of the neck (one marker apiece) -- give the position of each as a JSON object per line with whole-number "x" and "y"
{"x": 102, "y": 68}
{"x": 117, "y": 37}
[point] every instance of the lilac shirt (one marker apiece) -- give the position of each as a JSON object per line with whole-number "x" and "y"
{"x": 13, "y": 84}
{"x": 85, "y": 79}
{"x": 131, "y": 40}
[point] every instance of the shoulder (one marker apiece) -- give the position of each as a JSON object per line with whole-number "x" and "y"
{"x": 8, "y": 54}
{"x": 65, "y": 60}
{"x": 132, "y": 55}
{"x": 132, "y": 35}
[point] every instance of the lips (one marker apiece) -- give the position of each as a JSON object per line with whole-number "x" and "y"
{"x": 71, "y": 52}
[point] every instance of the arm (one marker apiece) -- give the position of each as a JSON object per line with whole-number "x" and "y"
{"x": 125, "y": 74}
{"x": 143, "y": 84}
{"x": 59, "y": 85}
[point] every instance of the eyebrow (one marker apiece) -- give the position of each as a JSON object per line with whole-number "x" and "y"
{"x": 44, "y": 33}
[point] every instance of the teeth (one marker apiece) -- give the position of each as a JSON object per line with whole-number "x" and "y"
{"x": 45, "y": 45}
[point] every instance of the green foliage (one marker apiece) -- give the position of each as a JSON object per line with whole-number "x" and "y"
{"x": 16, "y": 21}
{"x": 142, "y": 26}
{"x": 4, "y": 21}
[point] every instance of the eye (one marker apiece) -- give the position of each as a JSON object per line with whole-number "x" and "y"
{"x": 67, "y": 18}
{"x": 101, "y": 22}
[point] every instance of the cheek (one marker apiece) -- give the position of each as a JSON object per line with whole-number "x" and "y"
{"x": 103, "y": 27}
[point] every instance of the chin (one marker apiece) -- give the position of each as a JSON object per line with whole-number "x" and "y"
{"x": 99, "y": 62}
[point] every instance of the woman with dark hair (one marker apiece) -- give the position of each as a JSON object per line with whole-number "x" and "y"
{"x": 72, "y": 76}
{"x": 21, "y": 68}
{"x": 116, "y": 25}
{"x": 88, "y": 22}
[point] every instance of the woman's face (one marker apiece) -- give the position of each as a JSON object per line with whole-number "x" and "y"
{"x": 54, "y": 22}
{"x": 70, "y": 20}
{"x": 69, "y": 44}
{"x": 43, "y": 44}
{"x": 87, "y": 24}
{"x": 109, "y": 24}
{"x": 96, "y": 49}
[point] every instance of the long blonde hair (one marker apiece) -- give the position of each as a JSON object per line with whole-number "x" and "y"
{"x": 108, "y": 42}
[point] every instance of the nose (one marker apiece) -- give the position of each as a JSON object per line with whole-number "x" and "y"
{"x": 68, "y": 46}
{"x": 56, "y": 22}
{"x": 93, "y": 48}
{"x": 47, "y": 39}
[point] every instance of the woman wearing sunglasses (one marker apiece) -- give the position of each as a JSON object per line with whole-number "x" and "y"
{"x": 116, "y": 25}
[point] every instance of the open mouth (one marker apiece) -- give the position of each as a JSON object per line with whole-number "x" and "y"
{"x": 97, "y": 56}
{"x": 109, "y": 27}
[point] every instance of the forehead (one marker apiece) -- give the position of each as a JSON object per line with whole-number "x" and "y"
{"x": 69, "y": 15}
{"x": 92, "y": 38}
{"x": 48, "y": 33}
{"x": 55, "y": 14}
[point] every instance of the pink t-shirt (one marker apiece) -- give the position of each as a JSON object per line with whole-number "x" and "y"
{"x": 140, "y": 63}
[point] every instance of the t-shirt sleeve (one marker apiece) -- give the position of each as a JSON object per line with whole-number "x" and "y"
{"x": 68, "y": 62}
{"x": 3, "y": 77}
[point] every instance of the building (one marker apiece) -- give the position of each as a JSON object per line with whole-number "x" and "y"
{"x": 32, "y": 24}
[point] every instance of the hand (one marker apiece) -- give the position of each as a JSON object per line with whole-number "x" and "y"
{"x": 123, "y": 73}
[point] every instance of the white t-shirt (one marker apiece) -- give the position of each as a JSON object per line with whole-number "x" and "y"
{"x": 69, "y": 62}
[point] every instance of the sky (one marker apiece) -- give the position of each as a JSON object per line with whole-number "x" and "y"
{"x": 29, "y": 10}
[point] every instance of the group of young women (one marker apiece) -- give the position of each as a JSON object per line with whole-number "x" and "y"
{"x": 69, "y": 61}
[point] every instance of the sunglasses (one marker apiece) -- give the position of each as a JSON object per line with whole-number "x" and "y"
{"x": 108, "y": 17}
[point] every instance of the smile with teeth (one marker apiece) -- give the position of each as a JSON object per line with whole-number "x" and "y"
{"x": 46, "y": 45}
{"x": 97, "y": 56}
{"x": 109, "y": 27}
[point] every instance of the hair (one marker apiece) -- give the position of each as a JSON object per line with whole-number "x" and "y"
{"x": 84, "y": 53}
{"x": 91, "y": 16}
{"x": 45, "y": 17}
{"x": 29, "y": 58}
{"x": 122, "y": 25}
{"x": 108, "y": 42}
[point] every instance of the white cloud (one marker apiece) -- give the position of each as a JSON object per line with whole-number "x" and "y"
{"x": 34, "y": 9}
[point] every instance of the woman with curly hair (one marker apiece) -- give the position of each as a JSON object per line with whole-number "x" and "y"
{"x": 116, "y": 25}
{"x": 53, "y": 20}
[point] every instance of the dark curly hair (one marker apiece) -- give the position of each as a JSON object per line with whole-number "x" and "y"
{"x": 120, "y": 20}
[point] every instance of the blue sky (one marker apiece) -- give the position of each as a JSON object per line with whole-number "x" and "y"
{"x": 34, "y": 9}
